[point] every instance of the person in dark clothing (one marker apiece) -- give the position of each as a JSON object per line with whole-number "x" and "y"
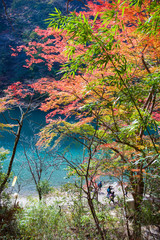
{"x": 100, "y": 185}
{"x": 109, "y": 191}
{"x": 112, "y": 196}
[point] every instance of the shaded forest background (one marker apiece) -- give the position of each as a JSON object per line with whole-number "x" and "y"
{"x": 18, "y": 19}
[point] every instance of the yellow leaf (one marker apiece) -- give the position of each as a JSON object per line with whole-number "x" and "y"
{"x": 14, "y": 181}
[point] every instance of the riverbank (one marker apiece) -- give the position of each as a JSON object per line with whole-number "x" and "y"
{"x": 63, "y": 202}
{"x": 65, "y": 197}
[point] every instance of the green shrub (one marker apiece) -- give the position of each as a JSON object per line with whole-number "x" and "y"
{"x": 44, "y": 187}
{"x": 39, "y": 221}
{"x": 68, "y": 187}
{"x": 8, "y": 222}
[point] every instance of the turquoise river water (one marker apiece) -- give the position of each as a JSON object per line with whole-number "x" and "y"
{"x": 33, "y": 123}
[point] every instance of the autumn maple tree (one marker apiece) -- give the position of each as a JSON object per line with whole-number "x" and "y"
{"x": 109, "y": 56}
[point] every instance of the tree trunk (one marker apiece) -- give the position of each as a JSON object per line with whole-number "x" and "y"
{"x": 39, "y": 194}
{"x": 138, "y": 199}
{"x": 125, "y": 213}
{"x": 90, "y": 203}
{"x": 2, "y": 186}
